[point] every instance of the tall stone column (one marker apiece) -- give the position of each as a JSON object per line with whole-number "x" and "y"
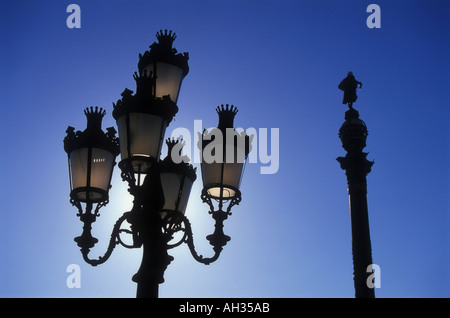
{"x": 353, "y": 134}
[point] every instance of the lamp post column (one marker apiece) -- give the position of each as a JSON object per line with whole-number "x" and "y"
{"x": 353, "y": 134}
{"x": 147, "y": 228}
{"x": 155, "y": 260}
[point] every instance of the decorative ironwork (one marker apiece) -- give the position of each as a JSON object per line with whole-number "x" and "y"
{"x": 77, "y": 204}
{"x": 206, "y": 198}
{"x": 151, "y": 226}
{"x": 114, "y": 240}
{"x": 234, "y": 201}
{"x": 162, "y": 51}
{"x": 190, "y": 242}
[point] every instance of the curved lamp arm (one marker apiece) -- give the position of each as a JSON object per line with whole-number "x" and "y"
{"x": 218, "y": 239}
{"x": 86, "y": 241}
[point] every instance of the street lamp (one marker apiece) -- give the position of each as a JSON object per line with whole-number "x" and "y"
{"x": 160, "y": 188}
{"x": 91, "y": 155}
{"x": 224, "y": 152}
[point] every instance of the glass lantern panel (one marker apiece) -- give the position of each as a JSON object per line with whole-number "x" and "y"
{"x": 212, "y": 172}
{"x": 143, "y": 136}
{"x": 172, "y": 184}
{"x": 168, "y": 79}
{"x": 235, "y": 162}
{"x": 101, "y": 168}
{"x": 232, "y": 172}
{"x": 187, "y": 186}
{"x": 78, "y": 166}
{"x": 96, "y": 187}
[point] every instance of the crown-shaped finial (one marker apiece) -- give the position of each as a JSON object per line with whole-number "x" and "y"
{"x": 98, "y": 111}
{"x": 94, "y": 117}
{"x": 144, "y": 82}
{"x": 226, "y": 108}
{"x": 175, "y": 162}
{"x": 166, "y": 38}
{"x": 226, "y": 116}
{"x": 172, "y": 142}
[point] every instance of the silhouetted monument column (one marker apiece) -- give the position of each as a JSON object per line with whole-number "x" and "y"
{"x": 353, "y": 134}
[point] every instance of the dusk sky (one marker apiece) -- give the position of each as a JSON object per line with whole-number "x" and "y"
{"x": 279, "y": 62}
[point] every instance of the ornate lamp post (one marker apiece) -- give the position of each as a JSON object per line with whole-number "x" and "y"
{"x": 91, "y": 156}
{"x": 160, "y": 188}
{"x": 353, "y": 134}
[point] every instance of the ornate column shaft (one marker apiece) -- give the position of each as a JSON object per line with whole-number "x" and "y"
{"x": 353, "y": 134}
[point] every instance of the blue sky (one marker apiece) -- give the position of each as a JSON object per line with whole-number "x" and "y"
{"x": 280, "y": 63}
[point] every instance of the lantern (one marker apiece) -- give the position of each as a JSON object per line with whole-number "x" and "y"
{"x": 164, "y": 64}
{"x": 177, "y": 177}
{"x": 142, "y": 118}
{"x": 224, "y": 153}
{"x": 91, "y": 156}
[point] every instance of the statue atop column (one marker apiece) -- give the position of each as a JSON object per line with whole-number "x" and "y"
{"x": 349, "y": 86}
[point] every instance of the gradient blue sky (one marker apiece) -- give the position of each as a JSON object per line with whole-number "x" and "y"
{"x": 280, "y": 63}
